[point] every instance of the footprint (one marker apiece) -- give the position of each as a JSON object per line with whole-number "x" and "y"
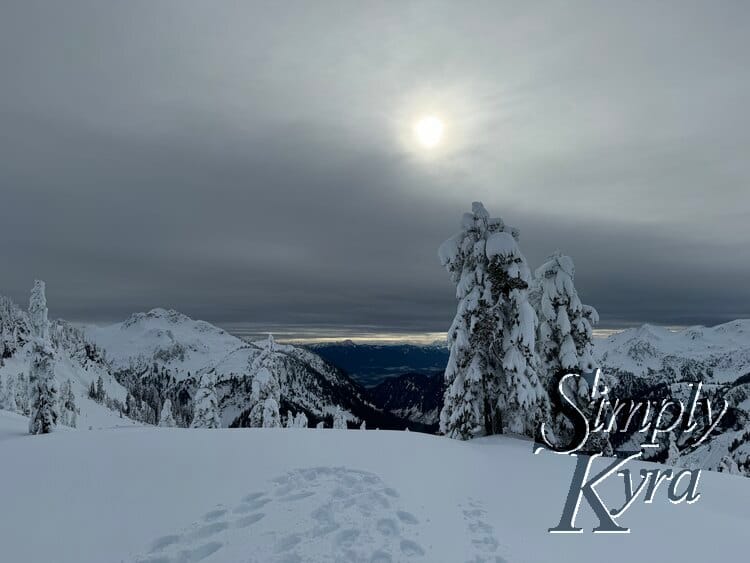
{"x": 411, "y": 548}
{"x": 287, "y": 542}
{"x": 246, "y": 521}
{"x": 209, "y": 530}
{"x": 347, "y": 537}
{"x": 251, "y": 506}
{"x": 387, "y": 527}
{"x": 214, "y": 514}
{"x": 298, "y": 496}
{"x": 381, "y": 557}
{"x": 199, "y": 553}
{"x": 407, "y": 517}
{"x": 164, "y": 541}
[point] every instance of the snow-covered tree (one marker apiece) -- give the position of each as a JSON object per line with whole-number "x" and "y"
{"x": 22, "y": 394}
{"x": 565, "y": 334}
{"x": 44, "y": 415}
{"x": 363, "y": 426}
{"x": 68, "y": 408}
{"x": 206, "y": 404}
{"x": 673, "y": 452}
{"x": 265, "y": 387}
{"x": 339, "y": 419}
{"x": 320, "y": 425}
{"x": 300, "y": 421}
{"x": 264, "y": 413}
{"x": 8, "y": 395}
{"x": 492, "y": 384}
{"x": 166, "y": 419}
{"x": 289, "y": 421}
{"x": 271, "y": 418}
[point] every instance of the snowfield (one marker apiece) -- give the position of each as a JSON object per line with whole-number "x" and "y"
{"x": 285, "y": 495}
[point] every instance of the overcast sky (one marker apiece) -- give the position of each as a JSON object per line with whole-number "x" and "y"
{"x": 249, "y": 162}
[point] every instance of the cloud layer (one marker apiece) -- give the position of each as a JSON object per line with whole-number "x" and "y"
{"x": 251, "y": 162}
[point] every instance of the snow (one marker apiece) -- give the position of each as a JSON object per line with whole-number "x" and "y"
{"x": 501, "y": 244}
{"x": 164, "y": 494}
{"x": 725, "y": 348}
{"x": 174, "y": 340}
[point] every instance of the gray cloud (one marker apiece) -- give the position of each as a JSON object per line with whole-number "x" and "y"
{"x": 245, "y": 162}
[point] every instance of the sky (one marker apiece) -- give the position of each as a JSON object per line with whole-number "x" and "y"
{"x": 253, "y": 163}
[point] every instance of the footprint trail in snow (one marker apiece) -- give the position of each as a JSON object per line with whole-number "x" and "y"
{"x": 482, "y": 534}
{"x": 315, "y": 515}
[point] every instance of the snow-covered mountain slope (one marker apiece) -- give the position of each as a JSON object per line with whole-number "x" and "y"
{"x": 274, "y": 495}
{"x": 171, "y": 351}
{"x": 413, "y": 396}
{"x": 76, "y": 360}
{"x": 720, "y": 353}
{"x": 172, "y": 340}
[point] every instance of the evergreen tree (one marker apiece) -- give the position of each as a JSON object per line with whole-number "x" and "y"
{"x": 10, "y": 389}
{"x": 271, "y": 418}
{"x": 8, "y": 401}
{"x": 300, "y": 421}
{"x": 22, "y": 394}
{"x": 44, "y": 416}
{"x": 166, "y": 419}
{"x": 68, "y": 408}
{"x": 100, "y": 393}
{"x": 339, "y": 419}
{"x": 206, "y": 410}
{"x": 264, "y": 387}
{"x": 289, "y": 422}
{"x": 565, "y": 335}
{"x": 363, "y": 426}
{"x": 320, "y": 425}
{"x": 492, "y": 385}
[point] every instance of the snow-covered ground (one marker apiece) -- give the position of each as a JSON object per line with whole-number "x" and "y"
{"x": 286, "y": 495}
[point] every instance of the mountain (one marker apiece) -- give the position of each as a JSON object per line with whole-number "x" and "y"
{"x": 651, "y": 362}
{"x": 369, "y": 364}
{"x": 414, "y": 396}
{"x": 76, "y": 360}
{"x": 163, "y": 353}
{"x": 720, "y": 354}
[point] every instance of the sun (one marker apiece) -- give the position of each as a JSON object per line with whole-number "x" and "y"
{"x": 428, "y": 131}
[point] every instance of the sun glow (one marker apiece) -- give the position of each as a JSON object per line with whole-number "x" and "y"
{"x": 429, "y": 131}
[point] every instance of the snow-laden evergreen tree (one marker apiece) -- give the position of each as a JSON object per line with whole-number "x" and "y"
{"x": 339, "y": 419}
{"x": 22, "y": 394}
{"x": 42, "y": 384}
{"x": 289, "y": 421}
{"x": 166, "y": 419}
{"x": 206, "y": 404}
{"x": 363, "y": 426}
{"x": 492, "y": 384}
{"x": 264, "y": 387}
{"x": 565, "y": 335}
{"x": 300, "y": 421}
{"x": 271, "y": 418}
{"x": 9, "y": 395}
{"x": 320, "y": 425}
{"x": 673, "y": 452}
{"x": 68, "y": 408}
